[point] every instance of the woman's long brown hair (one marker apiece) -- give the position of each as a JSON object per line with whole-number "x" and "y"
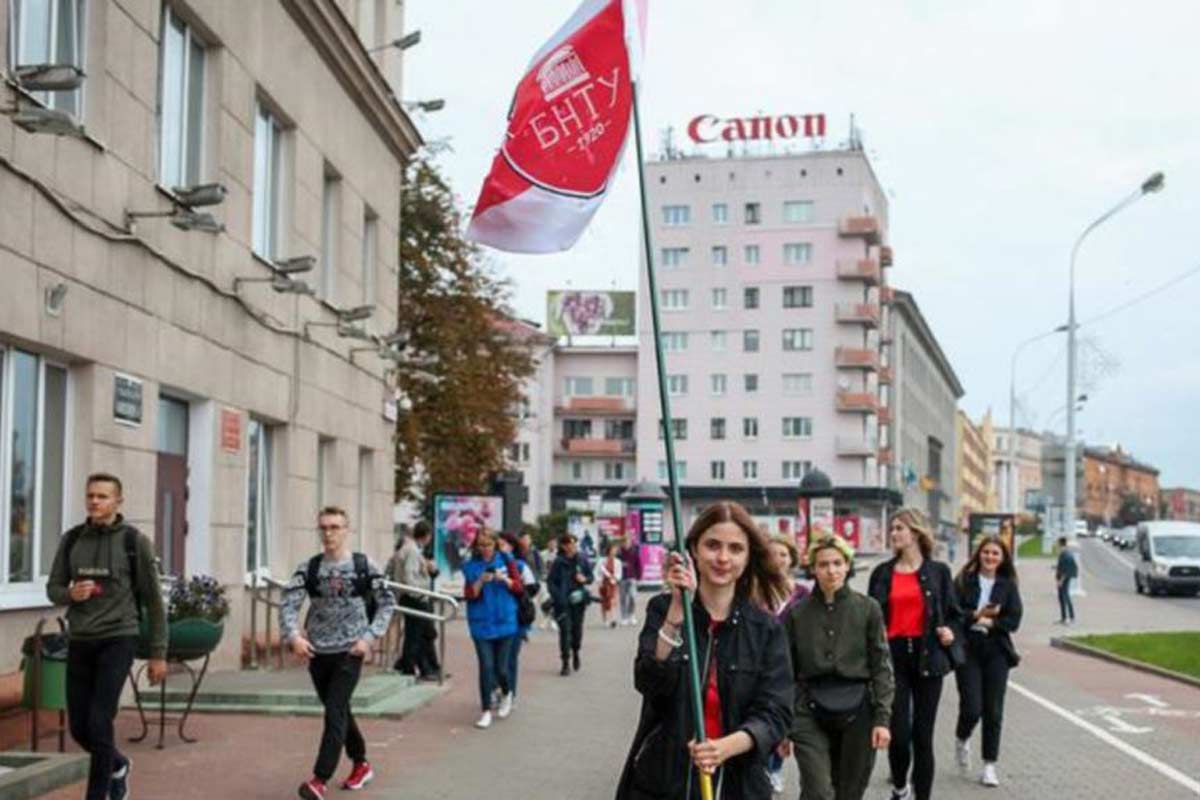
{"x": 1006, "y": 568}
{"x": 758, "y": 582}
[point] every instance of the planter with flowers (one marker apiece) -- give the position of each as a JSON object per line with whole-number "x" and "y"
{"x": 196, "y": 611}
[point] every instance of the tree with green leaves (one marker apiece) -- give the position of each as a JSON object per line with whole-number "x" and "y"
{"x": 464, "y": 360}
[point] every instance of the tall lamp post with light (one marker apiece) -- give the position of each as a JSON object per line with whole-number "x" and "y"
{"x": 1152, "y": 184}
{"x": 1011, "y": 495}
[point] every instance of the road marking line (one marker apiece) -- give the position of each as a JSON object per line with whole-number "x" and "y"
{"x": 1149, "y": 699}
{"x": 1162, "y": 768}
{"x": 1119, "y": 725}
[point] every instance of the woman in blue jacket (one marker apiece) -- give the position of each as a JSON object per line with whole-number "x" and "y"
{"x": 492, "y": 585}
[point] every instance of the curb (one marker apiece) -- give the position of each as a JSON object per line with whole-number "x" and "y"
{"x": 1064, "y": 643}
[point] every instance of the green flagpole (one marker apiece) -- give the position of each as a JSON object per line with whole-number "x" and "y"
{"x": 689, "y": 628}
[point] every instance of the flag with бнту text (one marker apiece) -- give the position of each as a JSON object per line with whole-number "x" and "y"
{"x": 567, "y": 128}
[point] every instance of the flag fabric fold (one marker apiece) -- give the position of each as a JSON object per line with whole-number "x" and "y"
{"x": 567, "y": 127}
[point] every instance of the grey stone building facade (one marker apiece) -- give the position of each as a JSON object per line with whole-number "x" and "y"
{"x": 140, "y": 336}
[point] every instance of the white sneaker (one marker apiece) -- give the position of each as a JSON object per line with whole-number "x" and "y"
{"x": 901, "y": 794}
{"x": 962, "y": 754}
{"x": 506, "y": 706}
{"x": 776, "y": 779}
{"x": 988, "y": 778}
{"x": 484, "y": 721}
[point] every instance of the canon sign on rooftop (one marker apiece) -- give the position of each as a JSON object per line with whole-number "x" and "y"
{"x": 707, "y": 128}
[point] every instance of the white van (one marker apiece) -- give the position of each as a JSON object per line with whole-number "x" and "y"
{"x": 1169, "y": 560}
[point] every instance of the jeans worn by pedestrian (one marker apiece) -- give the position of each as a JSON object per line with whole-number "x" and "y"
{"x": 96, "y": 672}
{"x": 493, "y": 656}
{"x": 335, "y": 675}
{"x": 914, "y": 713}
{"x": 982, "y": 683}
{"x": 1066, "y": 606}
{"x": 628, "y": 600}
{"x": 570, "y": 630}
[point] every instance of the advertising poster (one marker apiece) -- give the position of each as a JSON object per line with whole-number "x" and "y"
{"x": 1002, "y": 525}
{"x": 644, "y": 524}
{"x": 612, "y": 529}
{"x": 820, "y": 516}
{"x": 849, "y": 527}
{"x": 457, "y": 520}
{"x": 571, "y": 313}
{"x": 871, "y": 535}
{"x": 802, "y": 526}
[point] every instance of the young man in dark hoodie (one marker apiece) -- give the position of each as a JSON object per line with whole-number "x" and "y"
{"x": 105, "y": 573}
{"x": 570, "y": 576}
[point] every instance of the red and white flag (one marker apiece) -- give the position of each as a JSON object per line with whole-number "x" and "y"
{"x": 567, "y": 128}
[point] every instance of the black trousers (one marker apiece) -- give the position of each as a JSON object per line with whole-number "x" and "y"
{"x": 335, "y": 675}
{"x": 982, "y": 682}
{"x": 570, "y": 629}
{"x": 96, "y": 671}
{"x": 914, "y": 712}
{"x": 418, "y": 655}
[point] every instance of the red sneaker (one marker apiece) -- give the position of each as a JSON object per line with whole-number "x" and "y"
{"x": 360, "y": 776}
{"x": 313, "y": 789}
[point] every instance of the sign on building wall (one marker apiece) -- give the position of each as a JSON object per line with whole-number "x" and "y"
{"x": 231, "y": 431}
{"x": 1001, "y": 525}
{"x": 707, "y": 128}
{"x": 127, "y": 399}
{"x": 457, "y": 520}
{"x": 584, "y": 313}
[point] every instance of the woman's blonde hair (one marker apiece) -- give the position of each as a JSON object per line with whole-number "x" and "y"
{"x": 916, "y": 521}
{"x": 482, "y": 538}
{"x": 789, "y": 544}
{"x": 829, "y": 541}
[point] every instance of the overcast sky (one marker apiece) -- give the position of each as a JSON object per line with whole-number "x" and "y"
{"x": 999, "y": 128}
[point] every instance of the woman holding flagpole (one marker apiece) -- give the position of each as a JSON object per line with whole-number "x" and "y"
{"x": 746, "y": 677}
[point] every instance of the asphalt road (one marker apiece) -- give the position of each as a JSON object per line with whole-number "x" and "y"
{"x": 1114, "y": 568}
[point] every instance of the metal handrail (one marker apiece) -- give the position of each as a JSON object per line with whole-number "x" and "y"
{"x": 441, "y": 619}
{"x": 259, "y": 596}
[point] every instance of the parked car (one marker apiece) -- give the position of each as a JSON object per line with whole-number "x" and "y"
{"x": 1169, "y": 557}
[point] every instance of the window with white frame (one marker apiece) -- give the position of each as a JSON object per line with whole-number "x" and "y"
{"x": 750, "y": 427}
{"x": 577, "y": 470}
{"x": 796, "y": 253}
{"x": 614, "y": 471}
{"x": 797, "y": 427}
{"x": 674, "y": 257}
{"x": 718, "y": 382}
{"x": 677, "y": 385}
{"x": 750, "y": 382}
{"x": 797, "y": 339}
{"x": 716, "y": 428}
{"x": 182, "y": 61}
{"x": 751, "y": 254}
{"x": 717, "y": 340}
{"x": 753, "y": 213}
{"x": 370, "y": 248}
{"x": 720, "y": 255}
{"x": 720, "y": 299}
{"x": 619, "y": 387}
{"x": 677, "y": 215}
{"x": 366, "y": 464}
{"x": 750, "y": 341}
{"x": 268, "y": 184}
{"x": 578, "y": 386}
{"x": 797, "y": 296}
{"x": 258, "y": 497}
{"x": 797, "y": 384}
{"x": 750, "y": 470}
{"x": 797, "y": 211}
{"x": 680, "y": 470}
{"x": 49, "y": 32}
{"x": 331, "y": 223}
{"x": 674, "y": 299}
{"x": 720, "y": 213}
{"x": 796, "y": 470}
{"x": 674, "y": 341}
{"x": 33, "y": 424}
{"x": 716, "y": 470}
{"x": 750, "y": 295}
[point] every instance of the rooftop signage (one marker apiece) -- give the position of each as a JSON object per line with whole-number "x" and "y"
{"x": 707, "y": 128}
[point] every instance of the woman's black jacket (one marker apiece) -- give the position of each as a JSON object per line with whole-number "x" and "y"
{"x": 754, "y": 678}
{"x": 1004, "y": 594}
{"x": 941, "y": 608}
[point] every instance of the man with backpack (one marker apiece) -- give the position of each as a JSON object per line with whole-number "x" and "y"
{"x": 349, "y": 609}
{"x": 104, "y": 572}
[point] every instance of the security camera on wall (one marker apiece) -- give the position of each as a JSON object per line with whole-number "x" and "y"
{"x": 205, "y": 194}
{"x": 294, "y": 266}
{"x": 356, "y": 314}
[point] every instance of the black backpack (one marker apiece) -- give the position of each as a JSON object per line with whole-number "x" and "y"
{"x": 362, "y": 582}
{"x": 72, "y": 536}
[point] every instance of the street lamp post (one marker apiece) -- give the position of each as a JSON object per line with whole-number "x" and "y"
{"x": 1010, "y": 474}
{"x": 1152, "y": 184}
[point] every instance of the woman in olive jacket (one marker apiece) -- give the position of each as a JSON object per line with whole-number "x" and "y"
{"x": 922, "y": 614}
{"x": 745, "y": 673}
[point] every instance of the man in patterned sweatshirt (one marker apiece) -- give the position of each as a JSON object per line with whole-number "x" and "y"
{"x": 344, "y": 589}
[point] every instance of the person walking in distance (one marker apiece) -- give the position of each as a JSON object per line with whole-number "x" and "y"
{"x": 350, "y": 608}
{"x": 744, "y": 670}
{"x": 410, "y": 567}
{"x": 631, "y": 573}
{"x": 843, "y": 675}
{"x": 987, "y": 586}
{"x": 569, "y": 578}
{"x": 491, "y": 585}
{"x": 609, "y": 573}
{"x": 785, "y": 558}
{"x": 104, "y": 572}
{"x": 1066, "y": 569}
{"x": 921, "y": 608}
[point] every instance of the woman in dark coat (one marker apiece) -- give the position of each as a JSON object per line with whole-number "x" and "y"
{"x": 745, "y": 672}
{"x": 991, "y": 601}
{"x": 921, "y": 612}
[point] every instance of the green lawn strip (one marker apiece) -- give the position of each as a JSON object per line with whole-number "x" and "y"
{"x": 1032, "y": 548}
{"x": 1174, "y": 650}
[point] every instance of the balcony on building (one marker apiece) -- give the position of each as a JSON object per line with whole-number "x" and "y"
{"x": 857, "y": 402}
{"x": 856, "y": 358}
{"x": 885, "y": 415}
{"x": 866, "y": 227}
{"x": 597, "y": 448}
{"x": 885, "y": 255}
{"x": 600, "y": 406}
{"x": 859, "y": 314}
{"x": 861, "y": 269}
{"x": 885, "y": 374}
{"x": 887, "y": 295}
{"x": 857, "y": 446}
{"x": 885, "y": 456}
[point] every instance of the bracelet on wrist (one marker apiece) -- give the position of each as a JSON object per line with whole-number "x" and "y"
{"x": 676, "y": 641}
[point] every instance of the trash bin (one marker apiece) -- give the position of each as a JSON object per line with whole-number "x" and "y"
{"x": 52, "y": 694}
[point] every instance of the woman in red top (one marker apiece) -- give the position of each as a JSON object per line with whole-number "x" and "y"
{"x": 921, "y": 608}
